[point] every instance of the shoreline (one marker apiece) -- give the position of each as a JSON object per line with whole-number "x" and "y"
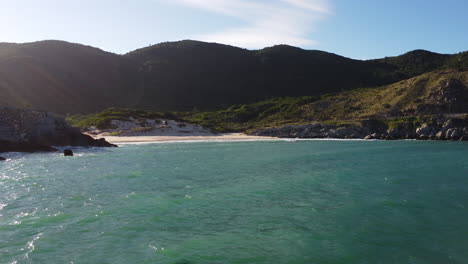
{"x": 195, "y": 139}
{"x": 229, "y": 137}
{"x": 188, "y": 138}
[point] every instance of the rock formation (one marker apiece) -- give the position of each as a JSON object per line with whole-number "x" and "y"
{"x": 31, "y": 131}
{"x": 432, "y": 128}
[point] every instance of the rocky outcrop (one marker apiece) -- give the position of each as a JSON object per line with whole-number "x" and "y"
{"x": 31, "y": 131}
{"x": 315, "y": 130}
{"x": 448, "y": 96}
{"x": 432, "y": 128}
{"x": 10, "y": 146}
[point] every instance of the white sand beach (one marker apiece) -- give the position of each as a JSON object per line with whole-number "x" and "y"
{"x": 168, "y": 138}
{"x": 149, "y": 130}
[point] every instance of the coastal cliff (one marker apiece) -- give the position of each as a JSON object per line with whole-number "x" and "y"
{"x": 430, "y": 128}
{"x": 32, "y": 131}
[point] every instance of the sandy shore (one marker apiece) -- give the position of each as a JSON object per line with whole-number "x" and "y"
{"x": 155, "y": 139}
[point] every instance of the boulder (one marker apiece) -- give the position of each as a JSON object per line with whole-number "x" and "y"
{"x": 2, "y": 159}
{"x": 456, "y": 134}
{"x": 423, "y": 136}
{"x": 314, "y": 130}
{"x": 465, "y": 131}
{"x": 454, "y": 123}
{"x": 426, "y": 130}
{"x": 452, "y": 134}
{"x": 345, "y": 132}
{"x": 398, "y": 132}
{"x": 68, "y": 152}
{"x": 440, "y": 135}
{"x": 374, "y": 126}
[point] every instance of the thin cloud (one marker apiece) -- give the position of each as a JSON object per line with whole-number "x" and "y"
{"x": 267, "y": 22}
{"x": 321, "y": 6}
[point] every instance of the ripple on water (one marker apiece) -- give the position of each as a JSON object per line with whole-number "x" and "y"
{"x": 254, "y": 202}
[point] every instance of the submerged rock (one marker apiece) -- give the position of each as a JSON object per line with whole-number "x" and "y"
{"x": 68, "y": 152}
{"x": 2, "y": 159}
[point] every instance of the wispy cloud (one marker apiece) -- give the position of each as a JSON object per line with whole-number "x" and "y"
{"x": 266, "y": 22}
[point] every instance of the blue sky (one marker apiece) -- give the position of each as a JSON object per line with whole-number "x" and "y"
{"x": 362, "y": 29}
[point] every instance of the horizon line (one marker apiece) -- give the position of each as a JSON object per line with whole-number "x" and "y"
{"x": 223, "y": 44}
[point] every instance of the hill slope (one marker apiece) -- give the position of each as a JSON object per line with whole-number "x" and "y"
{"x": 434, "y": 93}
{"x": 186, "y": 75}
{"x": 64, "y": 77}
{"x": 430, "y": 94}
{"x": 208, "y": 75}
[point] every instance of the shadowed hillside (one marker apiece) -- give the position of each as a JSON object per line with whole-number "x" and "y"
{"x": 189, "y": 75}
{"x": 430, "y": 94}
{"x": 207, "y": 75}
{"x": 435, "y": 93}
{"x": 63, "y": 77}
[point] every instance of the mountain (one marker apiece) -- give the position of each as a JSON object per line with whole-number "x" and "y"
{"x": 186, "y": 75}
{"x": 64, "y": 77}
{"x": 209, "y": 75}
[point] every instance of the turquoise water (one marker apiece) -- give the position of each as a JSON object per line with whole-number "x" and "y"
{"x": 244, "y": 202}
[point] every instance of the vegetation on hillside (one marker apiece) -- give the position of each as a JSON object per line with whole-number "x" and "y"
{"x": 190, "y": 75}
{"x": 439, "y": 92}
{"x": 102, "y": 120}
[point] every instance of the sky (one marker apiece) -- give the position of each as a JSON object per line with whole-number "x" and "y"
{"x": 360, "y": 29}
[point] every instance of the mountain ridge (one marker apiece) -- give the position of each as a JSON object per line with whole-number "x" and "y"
{"x": 185, "y": 75}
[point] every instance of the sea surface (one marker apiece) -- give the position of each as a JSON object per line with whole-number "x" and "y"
{"x": 272, "y": 202}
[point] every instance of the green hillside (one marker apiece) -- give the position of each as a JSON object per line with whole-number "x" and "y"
{"x": 65, "y": 78}
{"x": 434, "y": 93}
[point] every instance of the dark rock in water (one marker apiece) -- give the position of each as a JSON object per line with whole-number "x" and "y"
{"x": 2, "y": 159}
{"x": 100, "y": 143}
{"x": 68, "y": 152}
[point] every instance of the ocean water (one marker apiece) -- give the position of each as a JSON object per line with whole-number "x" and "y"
{"x": 238, "y": 202}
